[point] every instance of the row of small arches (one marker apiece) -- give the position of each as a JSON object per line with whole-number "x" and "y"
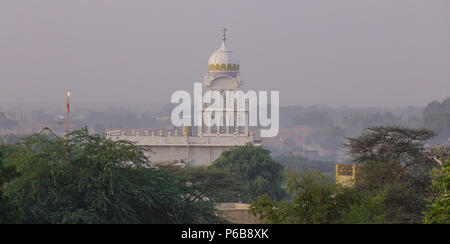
{"x": 224, "y": 67}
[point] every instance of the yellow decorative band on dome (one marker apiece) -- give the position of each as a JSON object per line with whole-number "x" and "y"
{"x": 223, "y": 66}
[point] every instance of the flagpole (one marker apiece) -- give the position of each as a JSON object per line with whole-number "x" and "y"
{"x": 68, "y": 113}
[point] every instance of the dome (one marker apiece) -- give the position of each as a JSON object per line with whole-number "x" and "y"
{"x": 223, "y": 59}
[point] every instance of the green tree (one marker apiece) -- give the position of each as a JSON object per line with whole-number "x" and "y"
{"x": 220, "y": 185}
{"x": 369, "y": 210}
{"x": 92, "y": 179}
{"x": 10, "y": 211}
{"x": 389, "y": 143}
{"x": 439, "y": 211}
{"x": 311, "y": 195}
{"x": 255, "y": 166}
{"x": 393, "y": 161}
{"x": 314, "y": 199}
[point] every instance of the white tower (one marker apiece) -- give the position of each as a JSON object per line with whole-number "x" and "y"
{"x": 223, "y": 75}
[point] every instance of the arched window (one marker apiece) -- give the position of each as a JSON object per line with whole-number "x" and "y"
{"x": 217, "y": 67}
{"x": 234, "y": 67}
{"x": 223, "y": 67}
{"x": 211, "y": 66}
{"x": 229, "y": 66}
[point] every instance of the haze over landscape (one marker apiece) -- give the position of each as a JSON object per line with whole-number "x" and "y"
{"x": 135, "y": 54}
{"x": 88, "y": 133}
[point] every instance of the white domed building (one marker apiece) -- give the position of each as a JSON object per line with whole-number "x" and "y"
{"x": 180, "y": 144}
{"x": 223, "y": 69}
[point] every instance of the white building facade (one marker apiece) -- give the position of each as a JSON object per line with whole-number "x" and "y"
{"x": 200, "y": 145}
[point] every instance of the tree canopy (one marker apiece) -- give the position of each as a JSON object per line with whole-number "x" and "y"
{"x": 391, "y": 186}
{"x": 91, "y": 179}
{"x": 255, "y": 166}
{"x": 88, "y": 178}
{"x": 438, "y": 212}
{"x": 387, "y": 143}
{"x": 10, "y": 212}
{"x": 315, "y": 199}
{"x": 393, "y": 161}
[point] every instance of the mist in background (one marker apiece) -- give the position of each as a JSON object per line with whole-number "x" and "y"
{"x": 135, "y": 54}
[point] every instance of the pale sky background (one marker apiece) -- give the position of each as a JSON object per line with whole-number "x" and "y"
{"x": 134, "y": 54}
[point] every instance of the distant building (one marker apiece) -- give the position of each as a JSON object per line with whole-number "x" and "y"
{"x": 198, "y": 146}
{"x": 236, "y": 213}
{"x": 298, "y": 140}
{"x": 298, "y": 136}
{"x": 346, "y": 174}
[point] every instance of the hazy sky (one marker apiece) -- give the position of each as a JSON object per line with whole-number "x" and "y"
{"x": 136, "y": 53}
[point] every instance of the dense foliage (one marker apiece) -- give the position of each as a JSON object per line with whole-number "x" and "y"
{"x": 220, "y": 185}
{"x": 9, "y": 209}
{"x": 393, "y": 160}
{"x": 255, "y": 166}
{"x": 91, "y": 179}
{"x": 439, "y": 211}
{"x": 391, "y": 186}
{"x": 87, "y": 178}
{"x": 314, "y": 199}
